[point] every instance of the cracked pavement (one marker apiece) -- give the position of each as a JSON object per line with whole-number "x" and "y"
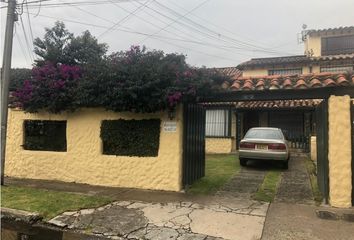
{"x": 221, "y": 219}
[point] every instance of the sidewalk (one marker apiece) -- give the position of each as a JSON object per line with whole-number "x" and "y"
{"x": 288, "y": 221}
{"x": 144, "y": 214}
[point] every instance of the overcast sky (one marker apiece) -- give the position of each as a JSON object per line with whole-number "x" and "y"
{"x": 213, "y": 33}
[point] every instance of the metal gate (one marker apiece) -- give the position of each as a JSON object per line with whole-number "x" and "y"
{"x": 352, "y": 119}
{"x": 193, "y": 143}
{"x": 322, "y": 148}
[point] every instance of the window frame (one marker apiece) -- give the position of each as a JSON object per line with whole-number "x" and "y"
{"x": 49, "y": 148}
{"x": 272, "y": 72}
{"x": 337, "y": 66}
{"x": 337, "y": 45}
{"x": 227, "y": 118}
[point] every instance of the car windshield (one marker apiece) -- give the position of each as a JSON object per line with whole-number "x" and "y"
{"x": 264, "y": 134}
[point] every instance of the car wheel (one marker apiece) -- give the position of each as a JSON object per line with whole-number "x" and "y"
{"x": 243, "y": 162}
{"x": 286, "y": 164}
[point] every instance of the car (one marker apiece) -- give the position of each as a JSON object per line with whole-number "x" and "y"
{"x": 264, "y": 143}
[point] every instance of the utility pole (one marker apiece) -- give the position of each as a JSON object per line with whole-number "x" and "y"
{"x": 5, "y": 77}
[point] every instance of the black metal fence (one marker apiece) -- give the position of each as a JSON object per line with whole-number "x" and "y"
{"x": 299, "y": 141}
{"x": 322, "y": 148}
{"x": 352, "y": 119}
{"x": 193, "y": 143}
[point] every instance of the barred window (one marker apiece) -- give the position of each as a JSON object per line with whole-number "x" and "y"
{"x": 289, "y": 71}
{"x": 45, "y": 135}
{"x": 217, "y": 123}
{"x": 337, "y": 68}
{"x": 337, "y": 45}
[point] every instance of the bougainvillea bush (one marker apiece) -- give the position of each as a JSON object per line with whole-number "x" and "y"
{"x": 136, "y": 80}
{"x": 51, "y": 88}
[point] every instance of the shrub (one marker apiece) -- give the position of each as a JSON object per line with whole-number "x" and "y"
{"x": 131, "y": 137}
{"x": 136, "y": 80}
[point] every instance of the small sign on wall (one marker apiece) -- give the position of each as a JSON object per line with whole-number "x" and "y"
{"x": 170, "y": 126}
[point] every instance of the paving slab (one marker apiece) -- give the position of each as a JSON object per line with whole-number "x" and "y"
{"x": 226, "y": 225}
{"x": 289, "y": 221}
{"x": 221, "y": 219}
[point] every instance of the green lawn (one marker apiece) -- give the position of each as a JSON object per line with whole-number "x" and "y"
{"x": 268, "y": 189}
{"x": 47, "y": 203}
{"x": 219, "y": 168}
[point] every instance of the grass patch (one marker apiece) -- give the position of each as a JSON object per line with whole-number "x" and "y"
{"x": 219, "y": 168}
{"x": 268, "y": 189}
{"x": 47, "y": 203}
{"x": 311, "y": 169}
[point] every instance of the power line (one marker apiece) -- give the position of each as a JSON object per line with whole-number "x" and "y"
{"x": 79, "y": 3}
{"x": 176, "y": 20}
{"x": 22, "y": 48}
{"x": 219, "y": 36}
{"x": 26, "y": 39}
{"x": 224, "y": 48}
{"x": 196, "y": 29}
{"x": 29, "y": 24}
{"x": 215, "y": 25}
{"x": 123, "y": 19}
{"x": 220, "y": 47}
{"x": 133, "y": 32}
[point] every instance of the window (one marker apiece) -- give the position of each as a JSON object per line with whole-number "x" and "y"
{"x": 131, "y": 137}
{"x": 337, "y": 45}
{"x": 264, "y": 134}
{"x": 285, "y": 71}
{"x": 45, "y": 135}
{"x": 217, "y": 123}
{"x": 337, "y": 69}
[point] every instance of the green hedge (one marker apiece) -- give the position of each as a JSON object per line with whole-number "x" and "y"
{"x": 131, "y": 137}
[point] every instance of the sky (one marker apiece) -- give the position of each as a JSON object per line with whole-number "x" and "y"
{"x": 211, "y": 33}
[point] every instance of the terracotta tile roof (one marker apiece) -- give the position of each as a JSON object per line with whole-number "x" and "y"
{"x": 255, "y": 62}
{"x": 303, "y": 103}
{"x": 292, "y": 81}
{"x": 273, "y": 104}
{"x": 233, "y": 72}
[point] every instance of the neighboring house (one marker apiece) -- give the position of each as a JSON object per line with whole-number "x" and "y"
{"x": 328, "y": 54}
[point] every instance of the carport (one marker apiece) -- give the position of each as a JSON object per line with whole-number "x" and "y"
{"x": 333, "y": 128}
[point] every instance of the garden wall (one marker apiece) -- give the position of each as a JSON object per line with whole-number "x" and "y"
{"x": 83, "y": 162}
{"x": 219, "y": 145}
{"x": 339, "y": 151}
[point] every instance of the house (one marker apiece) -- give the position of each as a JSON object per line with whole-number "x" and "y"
{"x": 328, "y": 60}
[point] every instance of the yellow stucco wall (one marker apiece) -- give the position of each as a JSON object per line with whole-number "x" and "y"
{"x": 313, "y": 148}
{"x": 84, "y": 162}
{"x": 339, "y": 151}
{"x": 313, "y": 44}
{"x": 264, "y": 71}
{"x": 254, "y": 72}
{"x": 219, "y": 145}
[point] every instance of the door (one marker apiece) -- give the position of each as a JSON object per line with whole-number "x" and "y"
{"x": 322, "y": 148}
{"x": 352, "y": 119}
{"x": 193, "y": 143}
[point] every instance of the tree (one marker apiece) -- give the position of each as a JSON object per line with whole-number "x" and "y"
{"x": 59, "y": 46}
{"x": 85, "y": 49}
{"x": 53, "y": 47}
